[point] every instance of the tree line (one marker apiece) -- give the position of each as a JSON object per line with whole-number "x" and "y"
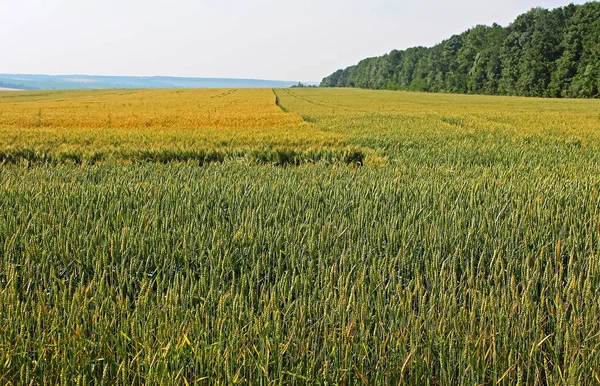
{"x": 542, "y": 53}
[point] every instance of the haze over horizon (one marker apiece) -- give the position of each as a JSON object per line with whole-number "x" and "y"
{"x": 304, "y": 40}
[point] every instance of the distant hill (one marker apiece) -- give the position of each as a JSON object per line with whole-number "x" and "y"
{"x": 76, "y": 82}
{"x": 542, "y": 53}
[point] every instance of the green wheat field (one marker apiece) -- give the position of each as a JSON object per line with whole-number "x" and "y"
{"x": 298, "y": 236}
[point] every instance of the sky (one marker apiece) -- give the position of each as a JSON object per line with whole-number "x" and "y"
{"x": 299, "y": 40}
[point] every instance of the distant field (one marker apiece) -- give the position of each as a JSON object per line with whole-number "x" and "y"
{"x": 210, "y": 125}
{"x": 157, "y": 125}
{"x": 404, "y": 124}
{"x": 298, "y": 236}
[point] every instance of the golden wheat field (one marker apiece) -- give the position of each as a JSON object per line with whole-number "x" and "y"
{"x": 102, "y": 125}
{"x": 307, "y": 126}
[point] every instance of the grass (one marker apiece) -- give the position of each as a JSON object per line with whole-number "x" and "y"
{"x": 464, "y": 251}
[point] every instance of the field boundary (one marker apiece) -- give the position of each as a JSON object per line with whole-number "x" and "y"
{"x": 281, "y": 156}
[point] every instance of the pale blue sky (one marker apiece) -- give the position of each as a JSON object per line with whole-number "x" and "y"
{"x": 288, "y": 40}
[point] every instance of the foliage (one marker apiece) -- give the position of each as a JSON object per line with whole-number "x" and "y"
{"x": 542, "y": 53}
{"x": 301, "y": 85}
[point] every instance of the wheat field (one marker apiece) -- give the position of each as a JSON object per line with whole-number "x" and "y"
{"x": 341, "y": 237}
{"x": 165, "y": 125}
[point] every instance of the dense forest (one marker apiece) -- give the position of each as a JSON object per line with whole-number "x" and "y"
{"x": 542, "y": 53}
